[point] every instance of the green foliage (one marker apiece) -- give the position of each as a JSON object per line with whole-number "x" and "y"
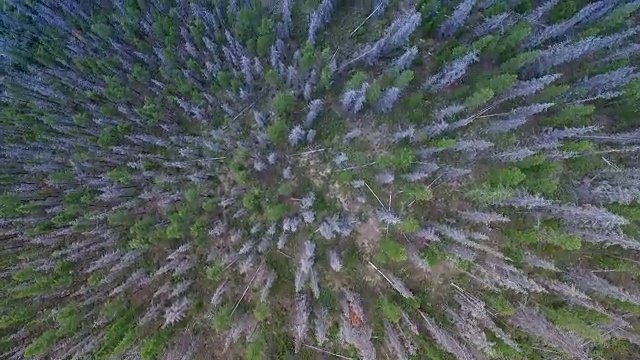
{"x": 125, "y": 343}
{"x": 586, "y": 164}
{"x": 571, "y": 116}
{"x": 543, "y": 178}
{"x": 94, "y": 279}
{"x": 506, "y": 178}
{"x": 251, "y": 200}
{"x": 114, "y": 89}
{"x": 109, "y": 136}
{"x": 553, "y": 235}
{"x": 198, "y": 230}
{"x": 24, "y": 274}
{"x": 563, "y": 11}
{"x": 487, "y": 42}
{"x": 551, "y": 93}
{"x": 578, "y": 320}
{"x": 546, "y": 186}
{"x": 628, "y": 107}
{"x": 286, "y": 188}
{"x": 356, "y": 80}
{"x": 444, "y": 143}
{"x": 499, "y": 304}
{"x": 102, "y": 67}
{"x": 41, "y": 345}
{"x": 418, "y": 193}
{"x": 210, "y": 205}
{"x": 116, "y": 332}
{"x": 152, "y": 348}
{"x": 374, "y": 92}
{"x": 413, "y": 105}
{"x": 623, "y": 306}
{"x": 514, "y": 37}
{"x": 61, "y": 177}
{"x": 151, "y": 111}
{"x": 532, "y": 161}
{"x": 265, "y": 38}
{"x": 257, "y": 348}
{"x": 519, "y": 60}
{"x": 390, "y": 309}
{"x": 479, "y": 98}
{"x": 237, "y": 166}
{"x": 15, "y": 317}
{"x": 192, "y": 194}
{"x": 616, "y": 347}
{"x": 120, "y": 218}
{"x": 213, "y": 273}
{"x": 272, "y": 78}
{"x": 404, "y": 79}
{"x": 344, "y": 177}
{"x": 8, "y": 206}
{"x": 101, "y": 30}
{"x": 549, "y": 233}
{"x": 409, "y": 225}
{"x": 615, "y": 263}
{"x": 580, "y": 146}
{"x": 400, "y": 160}
{"x": 515, "y": 253}
{"x": 245, "y": 23}
{"x": 262, "y": 311}
{"x": 391, "y": 251}
{"x": 520, "y": 237}
{"x": 276, "y": 212}
{"x": 501, "y": 82}
{"x": 223, "y": 79}
{"x": 222, "y": 318}
{"x": 111, "y": 307}
{"x": 69, "y": 320}
{"x": 631, "y": 95}
{"x": 308, "y": 56}
{"x": 432, "y": 352}
{"x": 81, "y": 119}
{"x": 120, "y": 175}
{"x": 455, "y": 53}
{"x": 485, "y": 194}
{"x": 325, "y": 78}
{"x": 174, "y": 230}
{"x": 434, "y": 254}
{"x": 630, "y": 212}
{"x": 277, "y": 131}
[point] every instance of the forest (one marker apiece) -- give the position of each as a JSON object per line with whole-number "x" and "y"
{"x": 320, "y": 179}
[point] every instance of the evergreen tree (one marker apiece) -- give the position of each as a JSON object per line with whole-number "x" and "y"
{"x": 273, "y": 176}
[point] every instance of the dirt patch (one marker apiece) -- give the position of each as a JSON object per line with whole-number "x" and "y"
{"x": 315, "y": 169}
{"x": 442, "y": 274}
{"x": 348, "y": 203}
{"x": 182, "y": 345}
{"x": 372, "y": 278}
{"x": 369, "y": 234}
{"x": 376, "y": 134}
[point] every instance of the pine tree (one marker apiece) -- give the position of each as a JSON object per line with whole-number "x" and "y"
{"x": 445, "y": 340}
{"x": 450, "y": 73}
{"x": 457, "y": 19}
{"x": 301, "y": 320}
{"x": 590, "y": 12}
{"x": 153, "y": 179}
{"x": 321, "y": 324}
{"x": 536, "y": 324}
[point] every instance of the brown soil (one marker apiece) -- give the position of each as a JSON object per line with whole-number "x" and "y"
{"x": 368, "y": 235}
